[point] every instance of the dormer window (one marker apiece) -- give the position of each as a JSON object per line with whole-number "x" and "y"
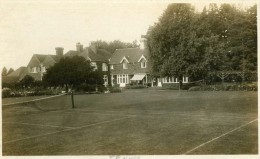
{"x": 143, "y": 61}
{"x": 143, "y": 64}
{"x": 125, "y": 65}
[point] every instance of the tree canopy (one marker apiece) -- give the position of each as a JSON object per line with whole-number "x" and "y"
{"x": 112, "y": 46}
{"x": 185, "y": 42}
{"x": 4, "y": 71}
{"x": 71, "y": 71}
{"x": 27, "y": 81}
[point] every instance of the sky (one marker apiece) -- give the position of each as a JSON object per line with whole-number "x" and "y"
{"x": 37, "y": 27}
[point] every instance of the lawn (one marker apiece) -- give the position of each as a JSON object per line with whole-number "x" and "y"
{"x": 140, "y": 122}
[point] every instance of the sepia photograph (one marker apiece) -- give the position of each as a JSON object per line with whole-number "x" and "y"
{"x": 129, "y": 79}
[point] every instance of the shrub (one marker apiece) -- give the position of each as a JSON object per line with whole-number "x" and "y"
{"x": 135, "y": 86}
{"x": 172, "y": 86}
{"x": 6, "y": 92}
{"x": 101, "y": 88}
{"x": 195, "y": 88}
{"x": 115, "y": 89}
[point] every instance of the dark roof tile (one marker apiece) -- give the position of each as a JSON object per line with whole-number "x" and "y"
{"x": 132, "y": 55}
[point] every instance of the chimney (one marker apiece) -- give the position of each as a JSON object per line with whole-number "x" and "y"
{"x": 143, "y": 42}
{"x": 59, "y": 51}
{"x": 79, "y": 47}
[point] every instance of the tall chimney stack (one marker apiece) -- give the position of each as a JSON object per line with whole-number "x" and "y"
{"x": 59, "y": 51}
{"x": 79, "y": 47}
{"x": 143, "y": 42}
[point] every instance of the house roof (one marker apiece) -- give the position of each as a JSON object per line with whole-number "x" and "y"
{"x": 101, "y": 55}
{"x": 56, "y": 58}
{"x": 39, "y": 58}
{"x": 104, "y": 53}
{"x": 132, "y": 55}
{"x": 16, "y": 75}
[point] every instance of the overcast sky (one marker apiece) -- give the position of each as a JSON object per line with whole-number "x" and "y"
{"x": 30, "y": 27}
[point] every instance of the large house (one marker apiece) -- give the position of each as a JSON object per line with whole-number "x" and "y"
{"x": 131, "y": 65}
{"x": 125, "y": 66}
{"x": 39, "y": 63}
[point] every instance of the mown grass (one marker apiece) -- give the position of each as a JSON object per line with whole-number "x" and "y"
{"x": 133, "y": 122}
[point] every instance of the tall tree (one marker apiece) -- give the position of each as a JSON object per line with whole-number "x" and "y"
{"x": 196, "y": 44}
{"x": 4, "y": 71}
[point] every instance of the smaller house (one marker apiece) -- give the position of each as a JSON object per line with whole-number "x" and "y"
{"x": 130, "y": 65}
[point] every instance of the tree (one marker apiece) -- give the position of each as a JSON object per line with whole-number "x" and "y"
{"x": 174, "y": 43}
{"x": 198, "y": 44}
{"x": 69, "y": 72}
{"x": 27, "y": 81}
{"x": 112, "y": 46}
{"x": 4, "y": 71}
{"x": 10, "y": 71}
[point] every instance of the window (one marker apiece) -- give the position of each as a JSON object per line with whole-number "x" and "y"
{"x": 94, "y": 64}
{"x": 125, "y": 66}
{"x": 104, "y": 67}
{"x": 122, "y": 78}
{"x": 111, "y": 67}
{"x": 34, "y": 70}
{"x": 185, "y": 79}
{"x": 143, "y": 64}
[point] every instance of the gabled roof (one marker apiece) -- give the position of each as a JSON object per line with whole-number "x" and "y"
{"x": 56, "y": 58}
{"x": 132, "y": 55}
{"x": 38, "y": 59}
{"x": 125, "y": 58}
{"x": 18, "y": 72}
{"x": 15, "y": 76}
{"x": 142, "y": 57}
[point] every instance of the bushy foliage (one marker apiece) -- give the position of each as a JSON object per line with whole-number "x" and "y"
{"x": 27, "y": 81}
{"x": 115, "y": 89}
{"x": 193, "y": 44}
{"x": 112, "y": 46}
{"x": 72, "y": 71}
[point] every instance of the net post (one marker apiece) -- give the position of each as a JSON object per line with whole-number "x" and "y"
{"x": 72, "y": 100}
